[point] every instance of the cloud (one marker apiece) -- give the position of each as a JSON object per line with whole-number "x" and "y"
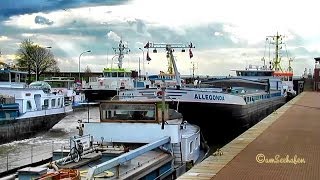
{"x": 220, "y": 36}
{"x": 10, "y": 8}
{"x": 113, "y": 36}
{"x": 4, "y": 38}
{"x": 42, "y": 20}
{"x": 27, "y": 35}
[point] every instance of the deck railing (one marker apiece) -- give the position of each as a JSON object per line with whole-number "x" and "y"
{"x": 31, "y": 154}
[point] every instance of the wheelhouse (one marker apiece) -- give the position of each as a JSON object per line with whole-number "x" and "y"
{"x": 116, "y": 72}
{"x": 12, "y": 76}
{"x": 138, "y": 112}
{"x": 254, "y": 73}
{"x": 61, "y": 82}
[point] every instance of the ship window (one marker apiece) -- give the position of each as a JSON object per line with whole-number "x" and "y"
{"x": 107, "y": 74}
{"x": 53, "y": 102}
{"x": 136, "y": 112}
{"x": 29, "y": 106}
{"x": 46, "y": 103}
{"x": 13, "y": 77}
{"x": 191, "y": 147}
{"x": 120, "y": 74}
{"x": 58, "y": 101}
{"x": 133, "y": 115}
{"x": 198, "y": 141}
{"x": 127, "y": 74}
{"x": 109, "y": 114}
{"x": 22, "y": 78}
{"x": 4, "y": 77}
{"x": 114, "y": 74}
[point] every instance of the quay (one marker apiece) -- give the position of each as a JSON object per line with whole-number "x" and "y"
{"x": 284, "y": 145}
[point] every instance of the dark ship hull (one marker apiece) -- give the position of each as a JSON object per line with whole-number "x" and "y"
{"x": 19, "y": 129}
{"x": 220, "y": 122}
{"x": 93, "y": 95}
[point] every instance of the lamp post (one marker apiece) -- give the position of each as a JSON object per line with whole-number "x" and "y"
{"x": 88, "y": 51}
{"x": 48, "y": 47}
{"x": 142, "y": 61}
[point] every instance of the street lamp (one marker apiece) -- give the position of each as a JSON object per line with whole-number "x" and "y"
{"x": 142, "y": 60}
{"x": 79, "y": 60}
{"x": 48, "y": 47}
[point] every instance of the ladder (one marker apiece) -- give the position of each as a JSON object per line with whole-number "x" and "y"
{"x": 177, "y": 152}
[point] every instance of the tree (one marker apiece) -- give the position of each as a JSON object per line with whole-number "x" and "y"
{"x": 2, "y": 63}
{"x": 87, "y": 73}
{"x": 35, "y": 59}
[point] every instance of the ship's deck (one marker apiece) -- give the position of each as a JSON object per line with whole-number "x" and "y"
{"x": 282, "y": 146}
{"x": 130, "y": 168}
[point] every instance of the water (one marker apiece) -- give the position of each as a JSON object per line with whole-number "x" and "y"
{"x": 34, "y": 149}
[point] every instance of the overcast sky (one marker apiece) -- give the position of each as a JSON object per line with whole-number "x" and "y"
{"x": 226, "y": 34}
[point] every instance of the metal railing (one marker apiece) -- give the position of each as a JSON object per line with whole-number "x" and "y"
{"x": 34, "y": 153}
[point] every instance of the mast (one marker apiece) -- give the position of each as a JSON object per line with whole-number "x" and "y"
{"x": 120, "y": 51}
{"x": 193, "y": 70}
{"x": 277, "y": 41}
{"x": 170, "y": 49}
{"x": 290, "y": 68}
{"x": 170, "y": 66}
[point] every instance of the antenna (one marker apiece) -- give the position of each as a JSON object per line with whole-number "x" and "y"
{"x": 277, "y": 41}
{"x": 120, "y": 51}
{"x": 290, "y": 68}
{"x": 163, "y": 88}
{"x": 193, "y": 69}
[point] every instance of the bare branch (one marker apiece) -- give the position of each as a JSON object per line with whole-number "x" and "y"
{"x": 35, "y": 59}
